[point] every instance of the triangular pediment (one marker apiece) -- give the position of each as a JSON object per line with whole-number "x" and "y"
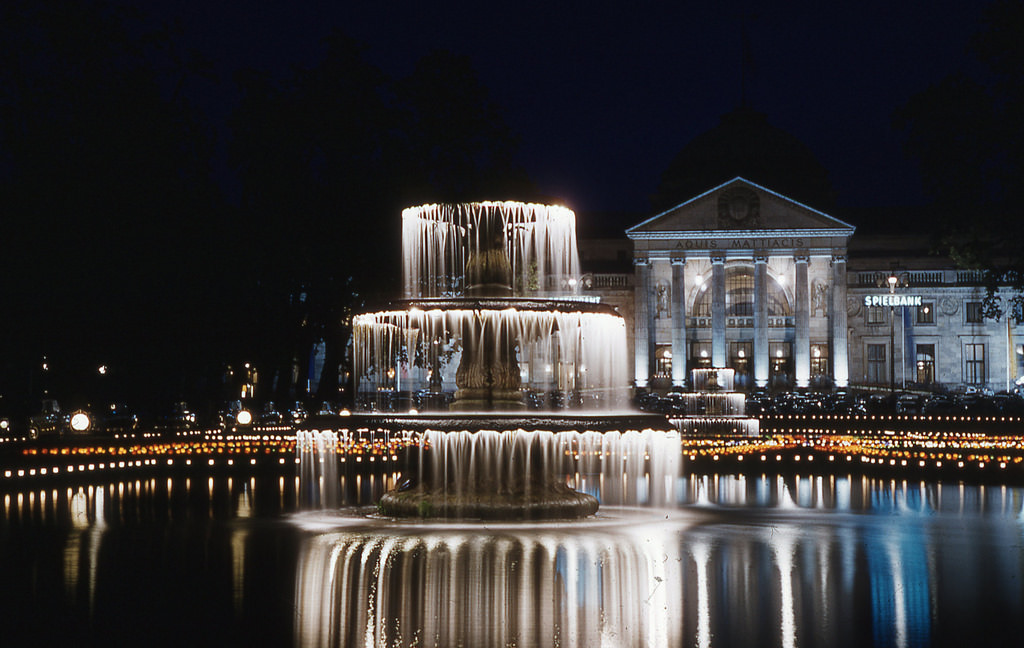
{"x": 739, "y": 206}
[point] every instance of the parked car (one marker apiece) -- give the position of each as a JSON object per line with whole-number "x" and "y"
{"x": 943, "y": 405}
{"x": 910, "y": 404}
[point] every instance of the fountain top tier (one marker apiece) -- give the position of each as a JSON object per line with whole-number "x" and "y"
{"x": 523, "y": 250}
{"x": 490, "y": 319}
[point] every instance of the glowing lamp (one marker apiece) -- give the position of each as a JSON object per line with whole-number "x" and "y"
{"x": 244, "y": 417}
{"x": 80, "y": 422}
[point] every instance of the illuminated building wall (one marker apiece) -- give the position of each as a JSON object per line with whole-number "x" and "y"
{"x": 740, "y": 277}
{"x": 743, "y": 277}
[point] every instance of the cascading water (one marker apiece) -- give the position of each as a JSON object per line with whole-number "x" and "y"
{"x": 439, "y": 243}
{"x": 318, "y": 467}
{"x": 492, "y": 319}
{"x": 491, "y": 326}
{"x": 570, "y": 358}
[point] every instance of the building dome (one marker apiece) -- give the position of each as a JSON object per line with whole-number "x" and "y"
{"x": 744, "y": 144}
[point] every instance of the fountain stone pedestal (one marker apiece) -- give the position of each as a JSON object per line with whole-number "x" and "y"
{"x": 538, "y": 500}
{"x": 488, "y": 373}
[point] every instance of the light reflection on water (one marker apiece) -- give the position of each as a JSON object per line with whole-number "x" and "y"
{"x": 475, "y": 585}
{"x": 772, "y": 561}
{"x": 765, "y": 561}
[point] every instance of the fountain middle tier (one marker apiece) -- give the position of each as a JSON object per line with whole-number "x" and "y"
{"x": 491, "y": 354}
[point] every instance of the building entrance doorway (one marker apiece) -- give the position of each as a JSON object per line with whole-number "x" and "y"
{"x": 740, "y": 359}
{"x": 780, "y": 364}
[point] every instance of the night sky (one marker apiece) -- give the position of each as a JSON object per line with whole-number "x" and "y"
{"x": 171, "y": 211}
{"x": 603, "y": 95}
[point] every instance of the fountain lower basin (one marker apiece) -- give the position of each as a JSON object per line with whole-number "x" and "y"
{"x": 509, "y": 467}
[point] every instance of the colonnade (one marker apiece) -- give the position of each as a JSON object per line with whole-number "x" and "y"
{"x": 645, "y": 331}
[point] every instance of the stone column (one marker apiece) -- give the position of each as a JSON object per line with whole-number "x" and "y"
{"x": 761, "y": 359}
{"x": 840, "y": 344}
{"x": 718, "y": 355}
{"x": 652, "y": 327}
{"x": 802, "y": 323}
{"x": 642, "y": 315}
{"x": 678, "y": 322}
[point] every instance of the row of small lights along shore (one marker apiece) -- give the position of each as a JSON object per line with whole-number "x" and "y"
{"x": 925, "y": 449}
{"x": 880, "y": 425}
{"x": 211, "y": 447}
{"x": 895, "y": 418}
{"x": 213, "y": 450}
{"x": 119, "y": 436}
{"x": 960, "y": 451}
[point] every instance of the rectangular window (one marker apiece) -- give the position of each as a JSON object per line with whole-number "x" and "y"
{"x": 876, "y": 364}
{"x": 701, "y": 354}
{"x": 972, "y": 310}
{"x": 739, "y": 294}
{"x": 876, "y": 315}
{"x": 779, "y": 355}
{"x": 926, "y": 313}
{"x": 663, "y": 360}
{"x": 740, "y": 354}
{"x": 974, "y": 363}
{"x": 702, "y": 305}
{"x": 925, "y": 363}
{"x": 819, "y": 359}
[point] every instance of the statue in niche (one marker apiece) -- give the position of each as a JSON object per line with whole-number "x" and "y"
{"x": 662, "y": 300}
{"x": 819, "y": 299}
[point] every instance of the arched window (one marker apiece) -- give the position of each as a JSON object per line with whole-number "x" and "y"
{"x": 739, "y": 295}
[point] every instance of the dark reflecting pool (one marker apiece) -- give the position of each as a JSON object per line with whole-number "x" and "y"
{"x": 767, "y": 561}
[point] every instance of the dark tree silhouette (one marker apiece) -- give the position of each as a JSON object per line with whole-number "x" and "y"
{"x": 458, "y": 146}
{"x": 327, "y": 158}
{"x": 967, "y": 134}
{"x": 312, "y": 153}
{"x": 745, "y": 144}
{"x": 110, "y": 209}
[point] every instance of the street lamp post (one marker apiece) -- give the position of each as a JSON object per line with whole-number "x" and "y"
{"x": 894, "y": 279}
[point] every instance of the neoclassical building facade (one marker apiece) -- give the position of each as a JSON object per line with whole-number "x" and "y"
{"x": 741, "y": 277}
{"x": 744, "y": 277}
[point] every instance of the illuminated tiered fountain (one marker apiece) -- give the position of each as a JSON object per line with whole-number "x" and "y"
{"x": 514, "y": 391}
{"x": 491, "y": 322}
{"x": 491, "y": 316}
{"x": 713, "y": 408}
